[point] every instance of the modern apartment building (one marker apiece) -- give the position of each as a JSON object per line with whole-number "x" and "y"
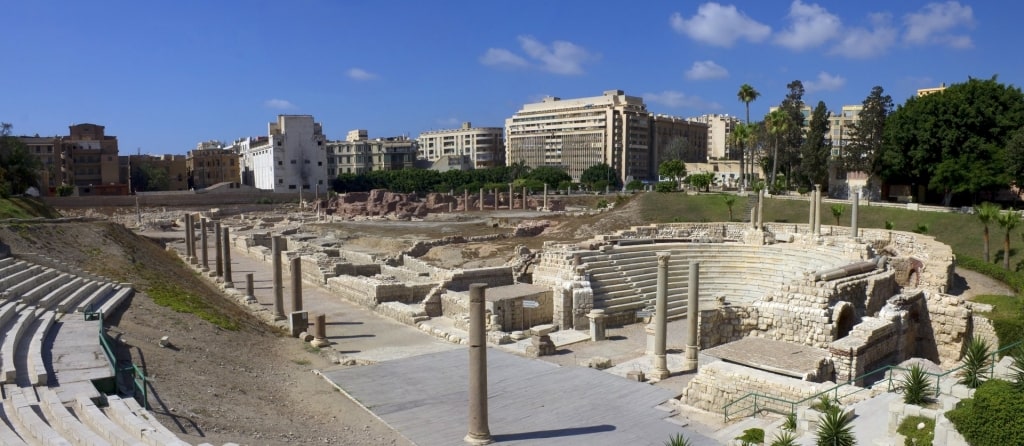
{"x": 578, "y": 133}
{"x": 719, "y": 128}
{"x": 86, "y": 157}
{"x": 484, "y": 145}
{"x": 677, "y": 138}
{"x": 359, "y": 154}
{"x": 292, "y": 158}
{"x": 839, "y": 127}
{"x": 211, "y": 163}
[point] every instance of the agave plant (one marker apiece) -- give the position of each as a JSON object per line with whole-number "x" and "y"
{"x": 678, "y": 440}
{"x": 790, "y": 423}
{"x": 784, "y": 439}
{"x": 976, "y": 360}
{"x": 835, "y": 428}
{"x": 916, "y": 386}
{"x": 1017, "y": 368}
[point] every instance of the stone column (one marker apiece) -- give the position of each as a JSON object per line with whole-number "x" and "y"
{"x": 545, "y": 196}
{"x": 510, "y": 192}
{"x": 495, "y": 192}
{"x": 188, "y": 239}
{"x": 479, "y": 432}
{"x": 661, "y": 319}
{"x": 192, "y": 233}
{"x": 481, "y": 198}
{"x": 810, "y": 213}
{"x": 250, "y": 289}
{"x": 219, "y": 253}
{"x": 465, "y": 200}
{"x": 276, "y": 246}
{"x": 320, "y": 335}
{"x": 524, "y": 198}
{"x": 206, "y": 256}
{"x": 854, "y": 229}
{"x": 596, "y": 317}
{"x": 760, "y": 210}
{"x": 296, "y": 284}
{"x": 817, "y": 209}
{"x": 228, "y": 282}
{"x": 692, "y": 317}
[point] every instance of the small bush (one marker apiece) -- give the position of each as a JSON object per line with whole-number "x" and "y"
{"x": 922, "y": 228}
{"x": 602, "y": 203}
{"x": 915, "y": 436}
{"x": 916, "y": 386}
{"x": 995, "y": 416}
{"x": 976, "y": 362}
{"x": 752, "y": 436}
{"x": 665, "y": 186}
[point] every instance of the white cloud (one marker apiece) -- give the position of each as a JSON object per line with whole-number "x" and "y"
{"x": 561, "y": 57}
{"x": 720, "y": 25}
{"x": 675, "y": 99}
{"x": 811, "y": 26}
{"x": 936, "y": 23}
{"x": 502, "y": 58}
{"x": 279, "y": 104}
{"x": 825, "y": 82}
{"x": 706, "y": 69}
{"x": 863, "y": 43}
{"x": 360, "y": 74}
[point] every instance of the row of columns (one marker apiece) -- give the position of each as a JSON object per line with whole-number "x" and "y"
{"x": 660, "y": 370}
{"x": 480, "y": 205}
{"x": 814, "y": 219}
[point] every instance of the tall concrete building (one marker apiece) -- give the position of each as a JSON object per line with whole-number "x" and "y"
{"x": 719, "y": 128}
{"x": 578, "y": 133}
{"x": 839, "y": 127}
{"x": 86, "y": 158}
{"x": 360, "y": 154}
{"x": 211, "y": 163}
{"x": 48, "y": 150}
{"x": 293, "y": 158}
{"x": 484, "y": 145}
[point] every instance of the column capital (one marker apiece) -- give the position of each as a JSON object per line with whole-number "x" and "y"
{"x": 663, "y": 258}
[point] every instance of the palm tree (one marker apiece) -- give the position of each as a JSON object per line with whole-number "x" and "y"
{"x": 730, "y": 200}
{"x": 518, "y": 169}
{"x": 1008, "y": 221}
{"x": 746, "y": 95}
{"x": 778, "y": 124}
{"x": 987, "y": 213}
{"x": 741, "y": 136}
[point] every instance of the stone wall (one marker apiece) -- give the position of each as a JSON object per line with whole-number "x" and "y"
{"x": 871, "y": 344}
{"x": 413, "y": 264}
{"x": 510, "y": 314}
{"x": 720, "y": 383}
{"x": 372, "y": 291}
{"x": 493, "y": 276}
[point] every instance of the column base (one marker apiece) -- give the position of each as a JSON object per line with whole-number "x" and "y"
{"x": 660, "y": 370}
{"x": 472, "y": 438}
{"x": 229, "y": 284}
{"x": 690, "y": 357}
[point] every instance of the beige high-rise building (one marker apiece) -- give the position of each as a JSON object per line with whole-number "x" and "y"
{"x": 211, "y": 163}
{"x": 677, "y": 138}
{"x": 86, "y": 158}
{"x": 720, "y": 127}
{"x": 839, "y": 127}
{"x": 579, "y": 133}
{"x": 484, "y": 145}
{"x": 928, "y": 91}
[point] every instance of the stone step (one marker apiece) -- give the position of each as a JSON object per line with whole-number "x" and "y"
{"x": 91, "y": 415}
{"x": 61, "y": 419}
{"x": 13, "y": 336}
{"x": 45, "y": 288}
{"x": 71, "y": 301}
{"x": 54, "y": 297}
{"x": 24, "y": 405}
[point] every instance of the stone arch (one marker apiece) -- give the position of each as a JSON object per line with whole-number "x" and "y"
{"x": 844, "y": 317}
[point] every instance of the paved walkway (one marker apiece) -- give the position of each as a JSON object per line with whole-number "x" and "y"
{"x": 416, "y": 374}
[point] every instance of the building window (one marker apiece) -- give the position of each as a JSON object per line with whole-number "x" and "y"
{"x": 291, "y": 186}
{"x": 293, "y": 161}
{"x": 280, "y": 163}
{"x": 280, "y": 181}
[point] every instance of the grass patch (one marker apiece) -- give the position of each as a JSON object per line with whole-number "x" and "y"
{"x": 909, "y": 429}
{"x": 25, "y": 207}
{"x": 311, "y": 349}
{"x": 302, "y": 361}
{"x": 170, "y": 296}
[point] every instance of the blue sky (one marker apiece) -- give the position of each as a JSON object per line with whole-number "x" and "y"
{"x": 162, "y": 76}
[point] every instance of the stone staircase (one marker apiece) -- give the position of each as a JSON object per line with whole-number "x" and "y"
{"x": 50, "y": 356}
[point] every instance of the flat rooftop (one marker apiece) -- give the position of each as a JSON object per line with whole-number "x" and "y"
{"x": 780, "y": 357}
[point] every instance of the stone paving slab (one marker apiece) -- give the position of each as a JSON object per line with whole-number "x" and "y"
{"x": 785, "y": 358}
{"x": 76, "y": 356}
{"x": 531, "y": 402}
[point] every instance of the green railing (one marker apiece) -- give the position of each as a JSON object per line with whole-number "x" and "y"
{"x": 138, "y": 377}
{"x": 753, "y": 403}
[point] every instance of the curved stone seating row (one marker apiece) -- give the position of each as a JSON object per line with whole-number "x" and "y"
{"x": 36, "y": 297}
{"x": 624, "y": 278}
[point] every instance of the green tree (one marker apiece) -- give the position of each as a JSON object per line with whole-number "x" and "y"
{"x": 1008, "y": 221}
{"x": 518, "y": 169}
{"x": 955, "y": 141}
{"x": 634, "y": 185}
{"x": 147, "y": 178}
{"x": 19, "y": 169}
{"x": 865, "y": 133}
{"x": 700, "y": 181}
{"x": 815, "y": 151}
{"x": 674, "y": 169}
{"x": 1015, "y": 156}
{"x": 550, "y": 175}
{"x": 746, "y": 95}
{"x": 598, "y": 174}
{"x": 994, "y": 416}
{"x": 730, "y": 201}
{"x": 742, "y": 135}
{"x": 987, "y": 213}
{"x": 837, "y": 212}
{"x": 778, "y": 124}
{"x": 793, "y": 106}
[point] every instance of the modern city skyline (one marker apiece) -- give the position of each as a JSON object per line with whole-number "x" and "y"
{"x": 165, "y": 77}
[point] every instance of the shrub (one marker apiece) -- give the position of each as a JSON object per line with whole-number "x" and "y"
{"x": 1017, "y": 368}
{"x": 825, "y": 404}
{"x": 922, "y": 228}
{"x": 916, "y": 386}
{"x": 790, "y": 423}
{"x": 678, "y": 440}
{"x": 835, "y": 428}
{"x": 602, "y": 203}
{"x": 976, "y": 362}
{"x": 915, "y": 434}
{"x": 665, "y": 186}
{"x": 752, "y": 436}
{"x": 994, "y": 416}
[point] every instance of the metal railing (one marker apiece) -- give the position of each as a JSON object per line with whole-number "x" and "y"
{"x": 756, "y": 402}
{"x": 133, "y": 371}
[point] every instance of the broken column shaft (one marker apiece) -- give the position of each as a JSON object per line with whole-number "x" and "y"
{"x": 661, "y": 319}
{"x": 228, "y": 281}
{"x": 276, "y": 245}
{"x": 206, "y": 256}
{"x": 219, "y": 255}
{"x": 692, "y": 317}
{"x": 296, "y": 284}
{"x": 479, "y": 432}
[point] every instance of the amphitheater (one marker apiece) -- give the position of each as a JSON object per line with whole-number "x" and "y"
{"x": 848, "y": 303}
